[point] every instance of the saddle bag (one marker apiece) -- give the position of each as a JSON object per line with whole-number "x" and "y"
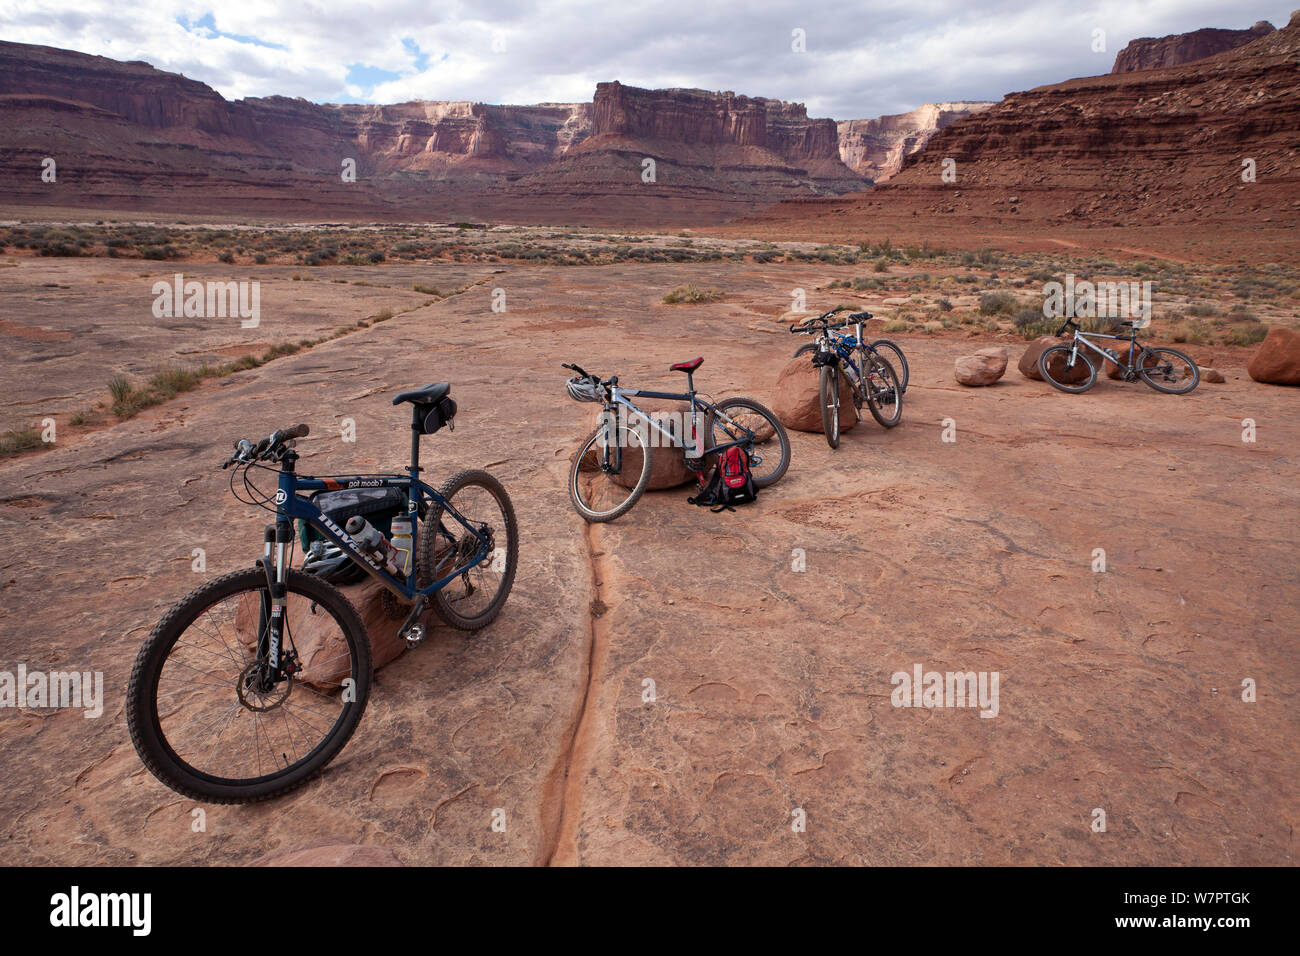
{"x": 442, "y": 412}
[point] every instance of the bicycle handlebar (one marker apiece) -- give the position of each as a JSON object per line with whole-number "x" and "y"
{"x": 823, "y": 322}
{"x": 245, "y": 450}
{"x": 1068, "y": 322}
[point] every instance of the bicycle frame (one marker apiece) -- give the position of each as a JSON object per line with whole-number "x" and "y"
{"x": 289, "y": 506}
{"x": 844, "y": 344}
{"x": 618, "y": 397}
{"x": 1082, "y": 338}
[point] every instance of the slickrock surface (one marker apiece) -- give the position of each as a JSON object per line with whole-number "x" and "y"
{"x": 1118, "y": 690}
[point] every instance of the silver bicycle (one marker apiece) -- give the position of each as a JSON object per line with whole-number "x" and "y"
{"x": 1068, "y": 367}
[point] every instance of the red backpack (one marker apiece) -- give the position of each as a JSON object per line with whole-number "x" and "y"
{"x": 731, "y": 483}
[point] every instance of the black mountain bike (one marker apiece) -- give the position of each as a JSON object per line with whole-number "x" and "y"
{"x": 250, "y": 685}
{"x": 872, "y": 378}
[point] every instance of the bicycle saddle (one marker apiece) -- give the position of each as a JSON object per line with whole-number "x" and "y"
{"x": 424, "y": 396}
{"x": 690, "y": 366}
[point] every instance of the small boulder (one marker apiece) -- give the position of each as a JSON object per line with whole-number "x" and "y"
{"x": 317, "y": 639}
{"x": 1212, "y": 375}
{"x": 1277, "y": 360}
{"x": 1028, "y": 363}
{"x": 668, "y": 469}
{"x": 985, "y": 367}
{"x": 796, "y": 399}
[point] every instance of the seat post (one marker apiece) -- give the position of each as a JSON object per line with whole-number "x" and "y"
{"x": 415, "y": 441}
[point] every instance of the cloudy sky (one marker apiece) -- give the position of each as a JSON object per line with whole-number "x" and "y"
{"x": 861, "y": 58}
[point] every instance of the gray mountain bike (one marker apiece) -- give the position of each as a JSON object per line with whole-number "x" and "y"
{"x": 1068, "y": 368}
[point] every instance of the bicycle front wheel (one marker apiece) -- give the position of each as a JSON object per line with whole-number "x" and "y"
{"x": 208, "y": 718}
{"x": 829, "y": 394}
{"x": 605, "y": 483}
{"x": 744, "y": 418}
{"x": 1062, "y": 368}
{"x": 1169, "y": 371}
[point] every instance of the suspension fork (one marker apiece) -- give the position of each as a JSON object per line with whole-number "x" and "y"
{"x": 609, "y": 422}
{"x": 274, "y": 564}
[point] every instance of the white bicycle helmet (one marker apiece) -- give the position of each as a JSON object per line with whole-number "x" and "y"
{"x": 582, "y": 389}
{"x": 328, "y": 561}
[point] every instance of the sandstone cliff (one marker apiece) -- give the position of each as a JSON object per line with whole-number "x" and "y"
{"x": 876, "y": 148}
{"x": 714, "y": 155}
{"x": 131, "y": 136}
{"x": 1210, "y": 146}
{"x": 1153, "y": 53}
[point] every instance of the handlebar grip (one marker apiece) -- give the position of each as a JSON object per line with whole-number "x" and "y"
{"x": 297, "y": 431}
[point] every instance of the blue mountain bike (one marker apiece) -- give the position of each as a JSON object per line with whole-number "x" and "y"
{"x": 250, "y": 685}
{"x": 872, "y": 378}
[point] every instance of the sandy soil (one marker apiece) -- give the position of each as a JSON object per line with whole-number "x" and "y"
{"x": 1118, "y": 690}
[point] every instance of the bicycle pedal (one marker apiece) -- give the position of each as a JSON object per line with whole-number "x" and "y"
{"x": 414, "y": 635}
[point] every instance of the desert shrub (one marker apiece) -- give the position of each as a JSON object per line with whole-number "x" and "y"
{"x": 944, "y": 305}
{"x": 226, "y": 256}
{"x": 52, "y": 248}
{"x": 19, "y": 440}
{"x": 1203, "y": 309}
{"x": 691, "y": 293}
{"x": 998, "y": 303}
{"x": 1031, "y": 324}
{"x": 260, "y": 258}
{"x": 119, "y": 387}
{"x": 1190, "y": 331}
{"x": 1247, "y": 334}
{"x": 426, "y": 289}
{"x": 279, "y": 349}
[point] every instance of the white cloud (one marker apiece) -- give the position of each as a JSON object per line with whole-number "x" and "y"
{"x": 863, "y": 59}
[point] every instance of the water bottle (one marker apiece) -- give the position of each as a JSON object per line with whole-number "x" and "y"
{"x": 403, "y": 542}
{"x": 373, "y": 543}
{"x": 693, "y": 447}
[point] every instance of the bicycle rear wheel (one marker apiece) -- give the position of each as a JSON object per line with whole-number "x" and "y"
{"x": 475, "y": 597}
{"x": 1169, "y": 371}
{"x": 602, "y": 488}
{"x": 884, "y": 394}
{"x": 829, "y": 395}
{"x": 207, "y": 719}
{"x": 770, "y": 451}
{"x": 892, "y": 354}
